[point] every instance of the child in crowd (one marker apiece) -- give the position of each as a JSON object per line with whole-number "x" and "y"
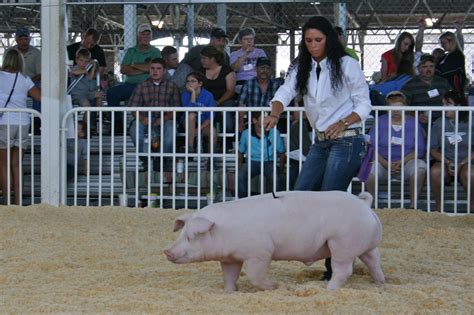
{"x": 197, "y": 96}
{"x": 81, "y": 152}
{"x": 85, "y": 93}
{"x": 252, "y": 150}
{"x": 391, "y": 138}
{"x": 456, "y": 133}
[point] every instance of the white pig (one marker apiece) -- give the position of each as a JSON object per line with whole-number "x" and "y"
{"x": 298, "y": 225}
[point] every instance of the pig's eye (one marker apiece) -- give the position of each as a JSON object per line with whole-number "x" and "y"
{"x": 188, "y": 238}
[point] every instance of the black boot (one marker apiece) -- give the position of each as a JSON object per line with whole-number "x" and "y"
{"x": 328, "y": 273}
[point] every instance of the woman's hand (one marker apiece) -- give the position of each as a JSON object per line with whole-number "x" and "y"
{"x": 335, "y": 129}
{"x": 270, "y": 121}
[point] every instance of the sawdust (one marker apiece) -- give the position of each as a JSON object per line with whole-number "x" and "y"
{"x": 97, "y": 260}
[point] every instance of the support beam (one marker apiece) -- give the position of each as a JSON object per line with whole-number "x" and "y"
{"x": 53, "y": 100}
{"x": 130, "y": 22}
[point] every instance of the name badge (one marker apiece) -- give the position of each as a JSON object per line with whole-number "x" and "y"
{"x": 454, "y": 139}
{"x": 248, "y": 67}
{"x": 433, "y": 93}
{"x": 397, "y": 140}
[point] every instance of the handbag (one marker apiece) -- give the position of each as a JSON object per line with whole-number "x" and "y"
{"x": 10, "y": 96}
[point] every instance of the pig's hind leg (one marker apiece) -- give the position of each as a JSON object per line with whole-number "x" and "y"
{"x": 257, "y": 269}
{"x": 371, "y": 259}
{"x": 231, "y": 271}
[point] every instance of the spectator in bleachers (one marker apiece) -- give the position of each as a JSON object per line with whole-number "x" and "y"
{"x": 253, "y": 152}
{"x": 258, "y": 92}
{"x": 136, "y": 68}
{"x": 336, "y": 100}
{"x": 14, "y": 90}
{"x": 81, "y": 152}
{"x": 426, "y": 89}
{"x": 456, "y": 139}
{"x": 175, "y": 71}
{"x": 32, "y": 58}
{"x": 404, "y": 49}
{"x": 155, "y": 91}
{"x": 85, "y": 93}
{"x": 351, "y": 52}
{"x": 218, "y": 40}
{"x": 220, "y": 81}
{"x": 89, "y": 41}
{"x": 244, "y": 60}
{"x": 452, "y": 65}
{"x": 197, "y": 96}
{"x": 389, "y": 136}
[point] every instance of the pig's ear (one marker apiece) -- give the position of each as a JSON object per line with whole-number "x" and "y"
{"x": 198, "y": 226}
{"x": 180, "y": 221}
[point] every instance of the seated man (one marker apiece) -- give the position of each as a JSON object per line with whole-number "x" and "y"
{"x": 254, "y": 155}
{"x": 136, "y": 66}
{"x": 426, "y": 89}
{"x": 412, "y": 159}
{"x": 258, "y": 91}
{"x": 155, "y": 91}
{"x": 175, "y": 71}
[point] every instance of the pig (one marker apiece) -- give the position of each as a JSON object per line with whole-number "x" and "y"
{"x": 298, "y": 225}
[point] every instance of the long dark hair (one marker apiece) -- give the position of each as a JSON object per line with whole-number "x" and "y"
{"x": 334, "y": 53}
{"x": 459, "y": 100}
{"x": 409, "y": 55}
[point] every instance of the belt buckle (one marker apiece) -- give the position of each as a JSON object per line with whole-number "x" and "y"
{"x": 321, "y": 136}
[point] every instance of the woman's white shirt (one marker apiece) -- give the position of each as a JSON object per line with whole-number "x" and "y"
{"x": 323, "y": 105}
{"x": 18, "y": 100}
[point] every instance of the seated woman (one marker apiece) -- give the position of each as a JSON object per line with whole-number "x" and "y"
{"x": 404, "y": 73}
{"x": 197, "y": 96}
{"x": 220, "y": 81}
{"x": 456, "y": 135}
{"x": 404, "y": 49}
{"x": 390, "y": 136}
{"x": 452, "y": 65}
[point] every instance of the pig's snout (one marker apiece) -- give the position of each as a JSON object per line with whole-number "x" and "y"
{"x": 169, "y": 255}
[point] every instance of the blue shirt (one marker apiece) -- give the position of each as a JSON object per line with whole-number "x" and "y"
{"x": 255, "y": 145}
{"x": 252, "y": 96}
{"x": 204, "y": 99}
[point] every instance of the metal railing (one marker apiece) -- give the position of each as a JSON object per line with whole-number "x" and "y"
{"x": 181, "y": 178}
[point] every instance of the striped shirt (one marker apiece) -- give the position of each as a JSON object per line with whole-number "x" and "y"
{"x": 253, "y": 96}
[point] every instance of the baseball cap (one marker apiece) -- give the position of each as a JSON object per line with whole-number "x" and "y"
{"x": 426, "y": 57}
{"x": 218, "y": 33}
{"x": 263, "y": 61}
{"x": 144, "y": 27}
{"x": 22, "y": 31}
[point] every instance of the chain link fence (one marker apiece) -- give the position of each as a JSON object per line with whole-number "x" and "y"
{"x": 371, "y": 26}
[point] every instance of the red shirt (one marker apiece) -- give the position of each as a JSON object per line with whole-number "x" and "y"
{"x": 391, "y": 65}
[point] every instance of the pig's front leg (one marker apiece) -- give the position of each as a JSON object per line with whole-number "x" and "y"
{"x": 231, "y": 271}
{"x": 257, "y": 272}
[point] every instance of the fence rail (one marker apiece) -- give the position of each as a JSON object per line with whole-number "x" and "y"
{"x": 180, "y": 178}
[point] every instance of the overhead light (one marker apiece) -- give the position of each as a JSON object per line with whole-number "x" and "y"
{"x": 315, "y": 2}
{"x": 157, "y": 23}
{"x": 430, "y": 21}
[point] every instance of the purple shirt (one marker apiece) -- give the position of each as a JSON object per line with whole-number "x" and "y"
{"x": 396, "y": 138}
{"x": 248, "y": 69}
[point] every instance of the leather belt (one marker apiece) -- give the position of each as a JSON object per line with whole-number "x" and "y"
{"x": 346, "y": 133}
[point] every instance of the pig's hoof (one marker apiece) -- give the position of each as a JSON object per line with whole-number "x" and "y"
{"x": 326, "y": 276}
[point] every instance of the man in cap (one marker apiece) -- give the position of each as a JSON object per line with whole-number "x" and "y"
{"x": 218, "y": 40}
{"x": 258, "y": 92}
{"x": 136, "y": 68}
{"x": 32, "y": 57}
{"x": 89, "y": 41}
{"x": 426, "y": 88}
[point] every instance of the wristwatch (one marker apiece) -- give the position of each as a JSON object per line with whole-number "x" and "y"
{"x": 345, "y": 122}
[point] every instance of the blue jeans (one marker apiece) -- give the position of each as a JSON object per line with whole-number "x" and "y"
{"x": 331, "y": 164}
{"x": 117, "y": 94}
{"x": 166, "y": 141}
{"x": 37, "y": 105}
{"x": 254, "y": 171}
